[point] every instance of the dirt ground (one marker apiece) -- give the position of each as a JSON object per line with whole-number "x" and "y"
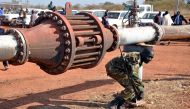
{"x": 166, "y": 78}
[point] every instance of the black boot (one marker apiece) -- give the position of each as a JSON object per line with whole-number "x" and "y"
{"x": 6, "y": 65}
{"x": 116, "y": 103}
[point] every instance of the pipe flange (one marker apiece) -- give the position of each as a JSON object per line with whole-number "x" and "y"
{"x": 159, "y": 33}
{"x": 99, "y": 39}
{"x": 68, "y": 43}
{"x": 115, "y": 43}
{"x": 42, "y": 16}
{"x": 23, "y": 53}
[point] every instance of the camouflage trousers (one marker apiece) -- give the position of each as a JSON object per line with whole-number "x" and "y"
{"x": 115, "y": 70}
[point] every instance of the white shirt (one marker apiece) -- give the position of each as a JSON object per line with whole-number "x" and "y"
{"x": 167, "y": 20}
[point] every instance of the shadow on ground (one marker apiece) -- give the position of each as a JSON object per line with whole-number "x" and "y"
{"x": 44, "y": 98}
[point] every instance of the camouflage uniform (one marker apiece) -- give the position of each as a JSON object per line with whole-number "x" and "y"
{"x": 115, "y": 70}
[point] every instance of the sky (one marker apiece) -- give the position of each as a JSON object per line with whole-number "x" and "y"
{"x": 62, "y": 2}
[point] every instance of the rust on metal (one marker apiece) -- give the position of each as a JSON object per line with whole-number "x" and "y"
{"x": 77, "y": 56}
{"x": 81, "y": 22}
{"x": 82, "y": 27}
{"x": 84, "y": 60}
{"x": 65, "y": 42}
{"x": 75, "y": 17}
{"x": 174, "y": 32}
{"x": 86, "y": 33}
{"x": 88, "y": 48}
{"x": 68, "y": 8}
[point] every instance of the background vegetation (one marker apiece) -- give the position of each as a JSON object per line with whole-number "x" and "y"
{"x": 169, "y": 5}
{"x": 159, "y": 5}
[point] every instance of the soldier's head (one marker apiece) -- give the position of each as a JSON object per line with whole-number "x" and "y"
{"x": 147, "y": 55}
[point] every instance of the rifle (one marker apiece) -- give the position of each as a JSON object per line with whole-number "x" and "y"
{"x": 128, "y": 70}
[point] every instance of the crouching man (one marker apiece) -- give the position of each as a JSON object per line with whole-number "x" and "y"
{"x": 124, "y": 69}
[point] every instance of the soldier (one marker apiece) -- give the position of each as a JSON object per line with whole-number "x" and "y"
{"x": 51, "y": 6}
{"x": 124, "y": 69}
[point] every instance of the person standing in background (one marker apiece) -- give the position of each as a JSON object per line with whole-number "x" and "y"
{"x": 178, "y": 19}
{"x": 167, "y": 20}
{"x": 1, "y": 13}
{"x": 33, "y": 18}
{"x": 105, "y": 20}
{"x": 157, "y": 19}
{"x": 50, "y": 6}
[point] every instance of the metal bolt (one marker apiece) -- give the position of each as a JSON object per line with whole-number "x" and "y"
{"x": 67, "y": 42}
{"x": 64, "y": 28}
{"x": 66, "y": 57}
{"x": 29, "y": 52}
{"x": 59, "y": 22}
{"x": 44, "y": 15}
{"x": 19, "y": 61}
{"x": 68, "y": 50}
{"x": 66, "y": 35}
{"x": 55, "y": 18}
{"x": 115, "y": 42}
{"x": 21, "y": 53}
{"x": 50, "y": 15}
{"x": 21, "y": 44}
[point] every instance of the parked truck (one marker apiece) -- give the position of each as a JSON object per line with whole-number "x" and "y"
{"x": 144, "y": 8}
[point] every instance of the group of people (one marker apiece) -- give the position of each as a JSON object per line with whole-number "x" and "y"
{"x": 166, "y": 19}
{"x": 23, "y": 15}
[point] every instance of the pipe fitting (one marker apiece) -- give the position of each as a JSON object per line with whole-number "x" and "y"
{"x": 23, "y": 52}
{"x": 159, "y": 33}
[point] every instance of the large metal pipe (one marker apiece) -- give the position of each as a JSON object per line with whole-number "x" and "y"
{"x": 8, "y": 47}
{"x": 152, "y": 33}
{"x": 57, "y": 44}
{"x": 136, "y": 35}
{"x": 176, "y": 32}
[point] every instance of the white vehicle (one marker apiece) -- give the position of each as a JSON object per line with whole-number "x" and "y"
{"x": 144, "y": 9}
{"x": 74, "y": 12}
{"x": 96, "y": 12}
{"x": 117, "y": 18}
{"x": 7, "y": 18}
{"x": 63, "y": 13}
{"x": 148, "y": 17}
{"x": 17, "y": 21}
